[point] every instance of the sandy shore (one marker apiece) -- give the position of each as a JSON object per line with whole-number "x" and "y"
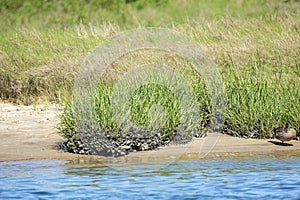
{"x": 28, "y": 133}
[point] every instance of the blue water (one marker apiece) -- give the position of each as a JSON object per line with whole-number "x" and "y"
{"x": 193, "y": 179}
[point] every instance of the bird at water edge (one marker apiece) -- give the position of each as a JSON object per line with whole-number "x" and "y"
{"x": 285, "y": 133}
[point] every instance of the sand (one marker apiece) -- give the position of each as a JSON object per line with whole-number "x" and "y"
{"x": 28, "y": 133}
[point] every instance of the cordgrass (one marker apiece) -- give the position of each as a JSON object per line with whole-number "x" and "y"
{"x": 255, "y": 45}
{"x": 254, "y": 105}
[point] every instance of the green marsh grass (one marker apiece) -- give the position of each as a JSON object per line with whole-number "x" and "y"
{"x": 142, "y": 101}
{"x": 257, "y": 104}
{"x": 255, "y": 45}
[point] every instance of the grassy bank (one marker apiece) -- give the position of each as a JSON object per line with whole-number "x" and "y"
{"x": 255, "y": 45}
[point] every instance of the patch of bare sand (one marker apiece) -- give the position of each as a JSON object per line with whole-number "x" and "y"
{"x": 28, "y": 133}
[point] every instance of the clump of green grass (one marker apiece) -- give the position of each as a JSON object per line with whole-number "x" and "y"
{"x": 141, "y": 103}
{"x": 257, "y": 104}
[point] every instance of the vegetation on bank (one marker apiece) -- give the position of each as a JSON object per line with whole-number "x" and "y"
{"x": 255, "y": 45}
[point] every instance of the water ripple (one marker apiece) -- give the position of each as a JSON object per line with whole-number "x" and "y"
{"x": 218, "y": 179}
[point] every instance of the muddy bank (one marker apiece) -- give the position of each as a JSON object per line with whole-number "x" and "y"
{"x": 28, "y": 133}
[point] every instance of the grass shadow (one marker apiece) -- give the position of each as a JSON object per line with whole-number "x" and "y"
{"x": 280, "y": 143}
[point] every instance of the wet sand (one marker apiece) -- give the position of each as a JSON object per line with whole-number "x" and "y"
{"x": 28, "y": 133}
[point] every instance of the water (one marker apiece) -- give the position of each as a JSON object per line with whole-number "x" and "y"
{"x": 193, "y": 179}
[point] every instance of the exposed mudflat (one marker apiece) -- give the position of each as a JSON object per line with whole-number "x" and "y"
{"x": 28, "y": 133}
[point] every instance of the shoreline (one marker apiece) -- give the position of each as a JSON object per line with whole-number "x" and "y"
{"x": 28, "y": 133}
